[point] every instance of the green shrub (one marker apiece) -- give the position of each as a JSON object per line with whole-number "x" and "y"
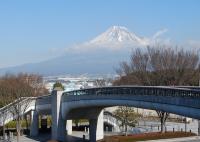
{"x": 58, "y": 85}
{"x": 12, "y": 124}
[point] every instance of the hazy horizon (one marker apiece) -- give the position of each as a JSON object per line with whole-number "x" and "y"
{"x": 34, "y": 31}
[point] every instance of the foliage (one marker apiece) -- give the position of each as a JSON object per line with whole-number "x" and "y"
{"x": 58, "y": 85}
{"x": 79, "y": 121}
{"x": 12, "y": 124}
{"x": 127, "y": 115}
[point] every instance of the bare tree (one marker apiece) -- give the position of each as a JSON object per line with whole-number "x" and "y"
{"x": 163, "y": 117}
{"x": 159, "y": 65}
{"x": 100, "y": 82}
{"x": 3, "y": 113}
{"x": 20, "y": 90}
{"x": 4, "y": 101}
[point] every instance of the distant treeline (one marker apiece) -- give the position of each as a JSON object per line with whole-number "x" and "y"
{"x": 13, "y": 87}
{"x": 155, "y": 66}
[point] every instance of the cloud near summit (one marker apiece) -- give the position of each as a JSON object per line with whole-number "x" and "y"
{"x": 119, "y": 38}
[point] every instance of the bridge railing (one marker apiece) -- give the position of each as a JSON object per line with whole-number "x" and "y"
{"x": 154, "y": 94}
{"x": 25, "y": 103}
{"x": 135, "y": 90}
{"x": 189, "y": 87}
{"x": 43, "y": 100}
{"x": 8, "y": 112}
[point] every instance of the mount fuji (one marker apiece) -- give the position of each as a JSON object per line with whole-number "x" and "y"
{"x": 101, "y": 55}
{"x": 117, "y": 35}
{"x": 114, "y": 38}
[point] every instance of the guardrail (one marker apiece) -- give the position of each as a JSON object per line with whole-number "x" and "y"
{"x": 20, "y": 100}
{"x": 155, "y": 94}
{"x": 141, "y": 90}
{"x": 109, "y": 117}
{"x": 7, "y": 113}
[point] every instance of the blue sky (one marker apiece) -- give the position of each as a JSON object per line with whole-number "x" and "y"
{"x": 31, "y": 30}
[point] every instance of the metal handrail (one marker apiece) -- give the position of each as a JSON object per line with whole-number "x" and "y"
{"x": 16, "y": 101}
{"x": 142, "y": 90}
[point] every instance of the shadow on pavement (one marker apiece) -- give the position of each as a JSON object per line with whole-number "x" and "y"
{"x": 40, "y": 138}
{"x": 47, "y": 137}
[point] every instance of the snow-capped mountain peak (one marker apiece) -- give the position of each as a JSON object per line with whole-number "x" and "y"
{"x": 116, "y": 38}
{"x": 117, "y": 35}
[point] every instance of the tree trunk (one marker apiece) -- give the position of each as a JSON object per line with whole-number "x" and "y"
{"x": 126, "y": 129}
{"x": 4, "y": 130}
{"x": 18, "y": 129}
{"x": 162, "y": 127}
{"x": 4, "y": 127}
{"x": 163, "y": 117}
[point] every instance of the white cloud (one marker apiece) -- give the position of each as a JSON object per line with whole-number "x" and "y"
{"x": 159, "y": 33}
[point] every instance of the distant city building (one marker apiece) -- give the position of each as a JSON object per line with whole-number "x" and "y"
{"x": 74, "y": 83}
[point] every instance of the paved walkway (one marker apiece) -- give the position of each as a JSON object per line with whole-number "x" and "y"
{"x": 75, "y": 137}
{"x": 185, "y": 139}
{"x": 40, "y": 138}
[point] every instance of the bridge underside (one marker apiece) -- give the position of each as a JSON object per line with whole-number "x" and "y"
{"x": 89, "y": 106}
{"x": 86, "y": 108}
{"x": 90, "y": 109}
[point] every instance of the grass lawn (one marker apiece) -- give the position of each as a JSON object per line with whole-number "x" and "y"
{"x": 147, "y": 136}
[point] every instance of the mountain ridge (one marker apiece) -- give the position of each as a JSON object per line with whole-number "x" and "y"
{"x": 101, "y": 55}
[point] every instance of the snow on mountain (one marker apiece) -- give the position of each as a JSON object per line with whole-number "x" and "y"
{"x": 118, "y": 34}
{"x": 116, "y": 37}
{"x": 100, "y": 55}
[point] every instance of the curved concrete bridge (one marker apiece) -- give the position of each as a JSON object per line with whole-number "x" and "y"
{"x": 89, "y": 103}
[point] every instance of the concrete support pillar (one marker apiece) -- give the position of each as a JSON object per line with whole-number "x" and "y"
{"x": 100, "y": 127}
{"x": 61, "y": 130}
{"x": 58, "y": 131}
{"x": 34, "y": 123}
{"x": 69, "y": 127}
{"x": 96, "y": 128}
{"x": 93, "y": 129}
